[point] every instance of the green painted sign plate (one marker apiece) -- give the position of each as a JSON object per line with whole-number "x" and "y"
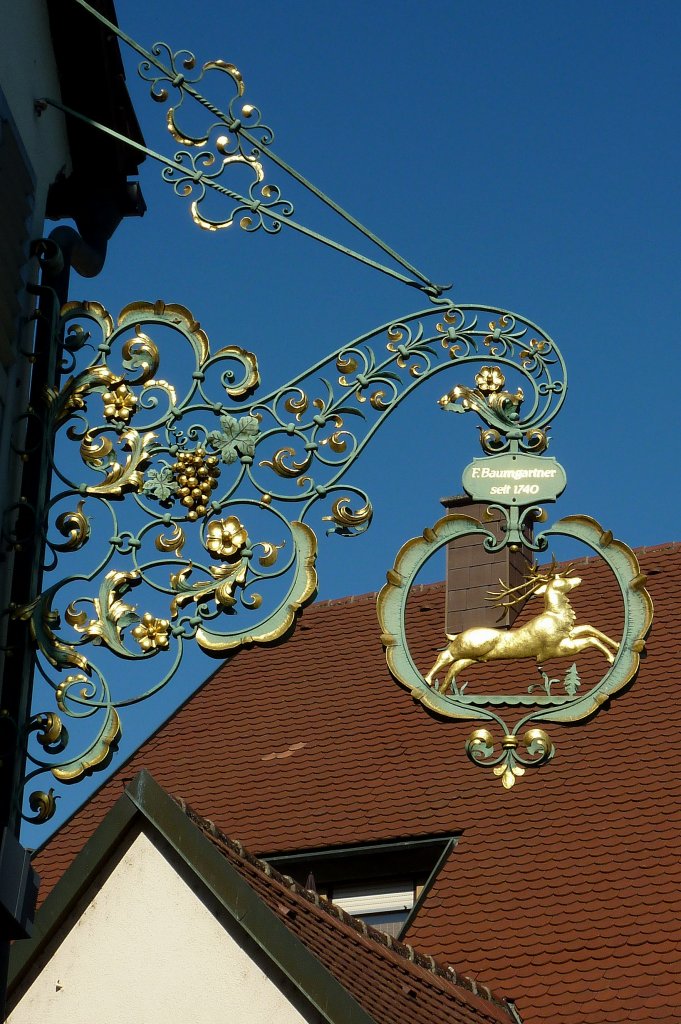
{"x": 514, "y": 479}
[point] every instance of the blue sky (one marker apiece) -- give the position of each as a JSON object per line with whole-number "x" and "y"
{"x": 527, "y": 152}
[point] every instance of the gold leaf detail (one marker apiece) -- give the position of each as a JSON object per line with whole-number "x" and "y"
{"x": 336, "y": 442}
{"x": 196, "y": 475}
{"x": 75, "y": 526}
{"x": 72, "y": 396}
{"x": 99, "y": 754}
{"x": 50, "y": 728}
{"x": 280, "y": 622}
{"x": 177, "y": 134}
{"x": 298, "y": 405}
{"x": 94, "y": 451}
{"x": 57, "y": 653}
{"x": 172, "y": 312}
{"x": 482, "y": 736}
{"x": 376, "y": 400}
{"x": 345, "y": 365}
{"x": 537, "y": 439}
{"x": 112, "y": 614}
{"x": 250, "y": 363}
{"x": 174, "y": 542}
{"x": 163, "y": 385}
{"x": 233, "y": 72}
{"x": 270, "y": 553}
{"x": 93, "y": 309}
{"x": 119, "y": 403}
{"x": 234, "y": 576}
{"x": 43, "y": 804}
{"x": 127, "y": 477}
{"x": 75, "y": 618}
{"x": 152, "y": 634}
{"x": 490, "y": 379}
{"x": 278, "y": 463}
{"x": 342, "y": 514}
{"x": 141, "y": 351}
{"x": 225, "y": 538}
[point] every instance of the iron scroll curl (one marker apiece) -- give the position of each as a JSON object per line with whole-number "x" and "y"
{"x": 206, "y": 498}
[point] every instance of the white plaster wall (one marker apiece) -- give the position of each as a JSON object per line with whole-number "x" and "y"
{"x": 27, "y": 72}
{"x": 147, "y": 950}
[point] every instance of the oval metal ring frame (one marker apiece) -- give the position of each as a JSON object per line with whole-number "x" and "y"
{"x": 392, "y": 605}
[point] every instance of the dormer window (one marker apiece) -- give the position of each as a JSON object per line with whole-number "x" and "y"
{"x": 381, "y": 883}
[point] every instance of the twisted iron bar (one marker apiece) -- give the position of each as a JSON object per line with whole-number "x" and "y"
{"x": 265, "y": 210}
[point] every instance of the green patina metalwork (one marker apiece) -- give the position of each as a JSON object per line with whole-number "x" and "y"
{"x": 458, "y": 703}
{"x": 206, "y": 479}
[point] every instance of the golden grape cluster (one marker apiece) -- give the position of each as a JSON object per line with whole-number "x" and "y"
{"x": 196, "y": 474}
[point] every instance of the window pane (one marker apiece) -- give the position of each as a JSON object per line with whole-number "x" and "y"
{"x": 370, "y": 899}
{"x": 390, "y": 923}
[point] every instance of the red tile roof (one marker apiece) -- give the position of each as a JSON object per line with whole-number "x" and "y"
{"x": 389, "y": 979}
{"x": 563, "y": 893}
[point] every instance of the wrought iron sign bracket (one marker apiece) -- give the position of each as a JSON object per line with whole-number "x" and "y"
{"x": 189, "y": 510}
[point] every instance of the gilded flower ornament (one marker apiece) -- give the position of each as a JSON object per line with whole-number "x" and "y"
{"x": 490, "y": 379}
{"x": 152, "y": 634}
{"x": 119, "y": 403}
{"x": 225, "y": 538}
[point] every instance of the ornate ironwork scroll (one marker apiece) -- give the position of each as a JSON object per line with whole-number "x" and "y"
{"x": 514, "y": 480}
{"x": 199, "y": 500}
{"x": 203, "y": 496}
{"x": 235, "y": 136}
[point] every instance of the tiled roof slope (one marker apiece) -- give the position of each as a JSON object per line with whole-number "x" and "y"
{"x": 563, "y": 893}
{"x": 389, "y": 979}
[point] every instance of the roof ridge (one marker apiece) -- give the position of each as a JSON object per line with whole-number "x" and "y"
{"x": 421, "y": 588}
{"x": 426, "y": 962}
{"x": 371, "y": 595}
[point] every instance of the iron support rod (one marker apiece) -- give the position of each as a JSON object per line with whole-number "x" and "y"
{"x": 432, "y": 291}
{"x": 430, "y": 287}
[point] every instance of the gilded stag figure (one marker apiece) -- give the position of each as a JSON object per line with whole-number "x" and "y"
{"x": 551, "y": 634}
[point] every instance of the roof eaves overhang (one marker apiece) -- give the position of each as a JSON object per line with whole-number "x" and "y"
{"x": 97, "y": 193}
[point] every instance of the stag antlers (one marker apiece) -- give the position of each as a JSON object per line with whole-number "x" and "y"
{"x": 533, "y": 581}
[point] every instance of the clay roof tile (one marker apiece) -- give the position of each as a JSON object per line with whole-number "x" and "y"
{"x": 564, "y": 892}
